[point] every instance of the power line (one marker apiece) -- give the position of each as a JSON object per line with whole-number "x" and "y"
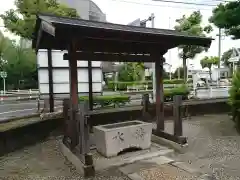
{"x": 174, "y": 2}
{"x": 162, "y": 5}
{"x": 185, "y": 3}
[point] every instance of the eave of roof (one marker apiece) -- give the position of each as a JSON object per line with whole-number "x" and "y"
{"x": 141, "y": 32}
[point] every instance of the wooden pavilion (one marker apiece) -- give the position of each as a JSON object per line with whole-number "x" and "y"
{"x": 99, "y": 41}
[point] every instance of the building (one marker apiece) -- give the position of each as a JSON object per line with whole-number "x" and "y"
{"x": 86, "y": 9}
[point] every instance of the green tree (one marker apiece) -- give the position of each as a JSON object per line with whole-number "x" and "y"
{"x": 178, "y": 73}
{"x": 227, "y": 17}
{"x": 4, "y": 45}
{"x": 208, "y": 62}
{"x": 192, "y": 26}
{"x": 131, "y": 72}
{"x": 226, "y": 56}
{"x": 234, "y": 98}
{"x": 22, "y": 20}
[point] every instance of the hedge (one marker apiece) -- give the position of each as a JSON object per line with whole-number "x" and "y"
{"x": 124, "y": 85}
{"x": 103, "y": 101}
{"x": 120, "y": 100}
{"x": 182, "y": 90}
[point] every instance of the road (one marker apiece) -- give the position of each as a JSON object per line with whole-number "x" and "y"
{"x": 20, "y": 108}
{"x": 10, "y": 109}
{"x": 17, "y": 108}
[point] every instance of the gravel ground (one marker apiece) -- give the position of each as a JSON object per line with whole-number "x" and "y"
{"x": 214, "y": 145}
{"x": 45, "y": 161}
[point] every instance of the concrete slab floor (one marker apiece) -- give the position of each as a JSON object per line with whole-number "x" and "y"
{"x": 102, "y": 162}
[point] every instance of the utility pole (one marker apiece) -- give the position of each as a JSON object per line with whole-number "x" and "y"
{"x": 170, "y": 61}
{"x": 152, "y": 17}
{"x": 219, "y": 45}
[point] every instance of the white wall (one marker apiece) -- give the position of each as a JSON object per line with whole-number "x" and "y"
{"x": 212, "y": 93}
{"x": 61, "y": 74}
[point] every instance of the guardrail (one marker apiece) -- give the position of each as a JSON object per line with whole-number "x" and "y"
{"x": 19, "y": 95}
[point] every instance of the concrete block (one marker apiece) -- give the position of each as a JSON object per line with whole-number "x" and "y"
{"x": 114, "y": 138}
{"x": 149, "y": 155}
{"x": 188, "y": 167}
{"x": 135, "y": 176}
{"x": 88, "y": 171}
{"x": 159, "y": 160}
{"x": 135, "y": 167}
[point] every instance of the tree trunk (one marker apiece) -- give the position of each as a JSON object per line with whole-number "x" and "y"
{"x": 210, "y": 73}
{"x": 184, "y": 68}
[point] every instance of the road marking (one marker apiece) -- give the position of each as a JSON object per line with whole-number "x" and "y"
{"x": 17, "y": 104}
{"x": 20, "y": 103}
{"x": 17, "y": 111}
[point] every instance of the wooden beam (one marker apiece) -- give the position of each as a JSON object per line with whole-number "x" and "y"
{"x": 39, "y": 36}
{"x": 110, "y": 57}
{"x": 90, "y": 85}
{"x": 177, "y": 139}
{"x": 159, "y": 91}
{"x": 48, "y": 28}
{"x": 73, "y": 81}
{"x": 112, "y": 46}
{"x": 50, "y": 81}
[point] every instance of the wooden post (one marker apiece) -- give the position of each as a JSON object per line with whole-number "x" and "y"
{"x": 145, "y": 104}
{"x": 159, "y": 92}
{"x": 50, "y": 80}
{"x": 177, "y": 102}
{"x": 85, "y": 155}
{"x": 66, "y": 122}
{"x": 90, "y": 91}
{"x": 73, "y": 94}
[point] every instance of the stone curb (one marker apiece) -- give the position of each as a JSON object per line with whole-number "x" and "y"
{"x": 143, "y": 157}
{"x": 188, "y": 168}
{"x": 19, "y": 118}
{"x": 177, "y": 147}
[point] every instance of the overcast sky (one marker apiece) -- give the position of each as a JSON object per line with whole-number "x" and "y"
{"x": 125, "y": 11}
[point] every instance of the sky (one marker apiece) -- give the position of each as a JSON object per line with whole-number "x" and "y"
{"x": 126, "y": 11}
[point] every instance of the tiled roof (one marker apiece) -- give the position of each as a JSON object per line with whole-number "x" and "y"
{"x": 110, "y": 26}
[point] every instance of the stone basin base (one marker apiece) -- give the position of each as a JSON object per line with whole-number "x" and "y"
{"x": 112, "y": 139}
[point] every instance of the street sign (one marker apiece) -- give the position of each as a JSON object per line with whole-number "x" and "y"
{"x": 3, "y": 74}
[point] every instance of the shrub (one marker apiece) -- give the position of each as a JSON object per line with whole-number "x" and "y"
{"x": 234, "y": 98}
{"x": 182, "y": 90}
{"x": 173, "y": 81}
{"x": 104, "y": 101}
{"x": 122, "y": 86}
{"x": 120, "y": 100}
